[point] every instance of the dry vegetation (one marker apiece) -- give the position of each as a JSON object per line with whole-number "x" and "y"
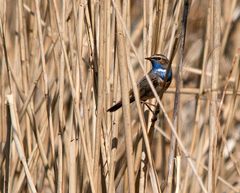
{"x": 63, "y": 63}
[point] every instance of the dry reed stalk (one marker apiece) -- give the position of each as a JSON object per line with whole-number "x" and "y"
{"x": 71, "y": 135}
{"x": 176, "y": 110}
{"x": 216, "y": 13}
{"x": 122, "y": 62}
{"x": 114, "y": 138}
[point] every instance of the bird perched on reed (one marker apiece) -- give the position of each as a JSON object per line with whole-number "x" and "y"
{"x": 159, "y": 76}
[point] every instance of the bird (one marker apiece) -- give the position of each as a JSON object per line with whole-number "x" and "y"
{"x": 161, "y": 80}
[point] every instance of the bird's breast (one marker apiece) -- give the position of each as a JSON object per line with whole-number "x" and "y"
{"x": 161, "y": 72}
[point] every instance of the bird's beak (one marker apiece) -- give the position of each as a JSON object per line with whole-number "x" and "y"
{"x": 148, "y": 58}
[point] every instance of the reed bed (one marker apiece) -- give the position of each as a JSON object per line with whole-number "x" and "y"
{"x": 64, "y": 63}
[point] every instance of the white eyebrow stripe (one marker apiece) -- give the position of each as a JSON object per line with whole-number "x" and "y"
{"x": 159, "y": 56}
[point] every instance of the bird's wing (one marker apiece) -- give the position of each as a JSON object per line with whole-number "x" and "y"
{"x": 144, "y": 87}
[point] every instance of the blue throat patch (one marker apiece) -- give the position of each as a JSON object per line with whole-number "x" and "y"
{"x": 161, "y": 71}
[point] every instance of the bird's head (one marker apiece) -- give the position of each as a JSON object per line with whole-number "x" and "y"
{"x": 158, "y": 61}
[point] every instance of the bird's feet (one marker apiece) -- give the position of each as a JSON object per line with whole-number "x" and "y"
{"x": 148, "y": 105}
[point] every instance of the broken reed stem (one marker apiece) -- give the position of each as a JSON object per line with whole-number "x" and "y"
{"x": 17, "y": 140}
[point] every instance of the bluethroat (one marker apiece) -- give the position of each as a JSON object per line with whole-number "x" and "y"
{"x": 158, "y": 77}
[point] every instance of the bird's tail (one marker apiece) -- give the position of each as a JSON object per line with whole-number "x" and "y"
{"x": 119, "y": 105}
{"x": 115, "y": 107}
